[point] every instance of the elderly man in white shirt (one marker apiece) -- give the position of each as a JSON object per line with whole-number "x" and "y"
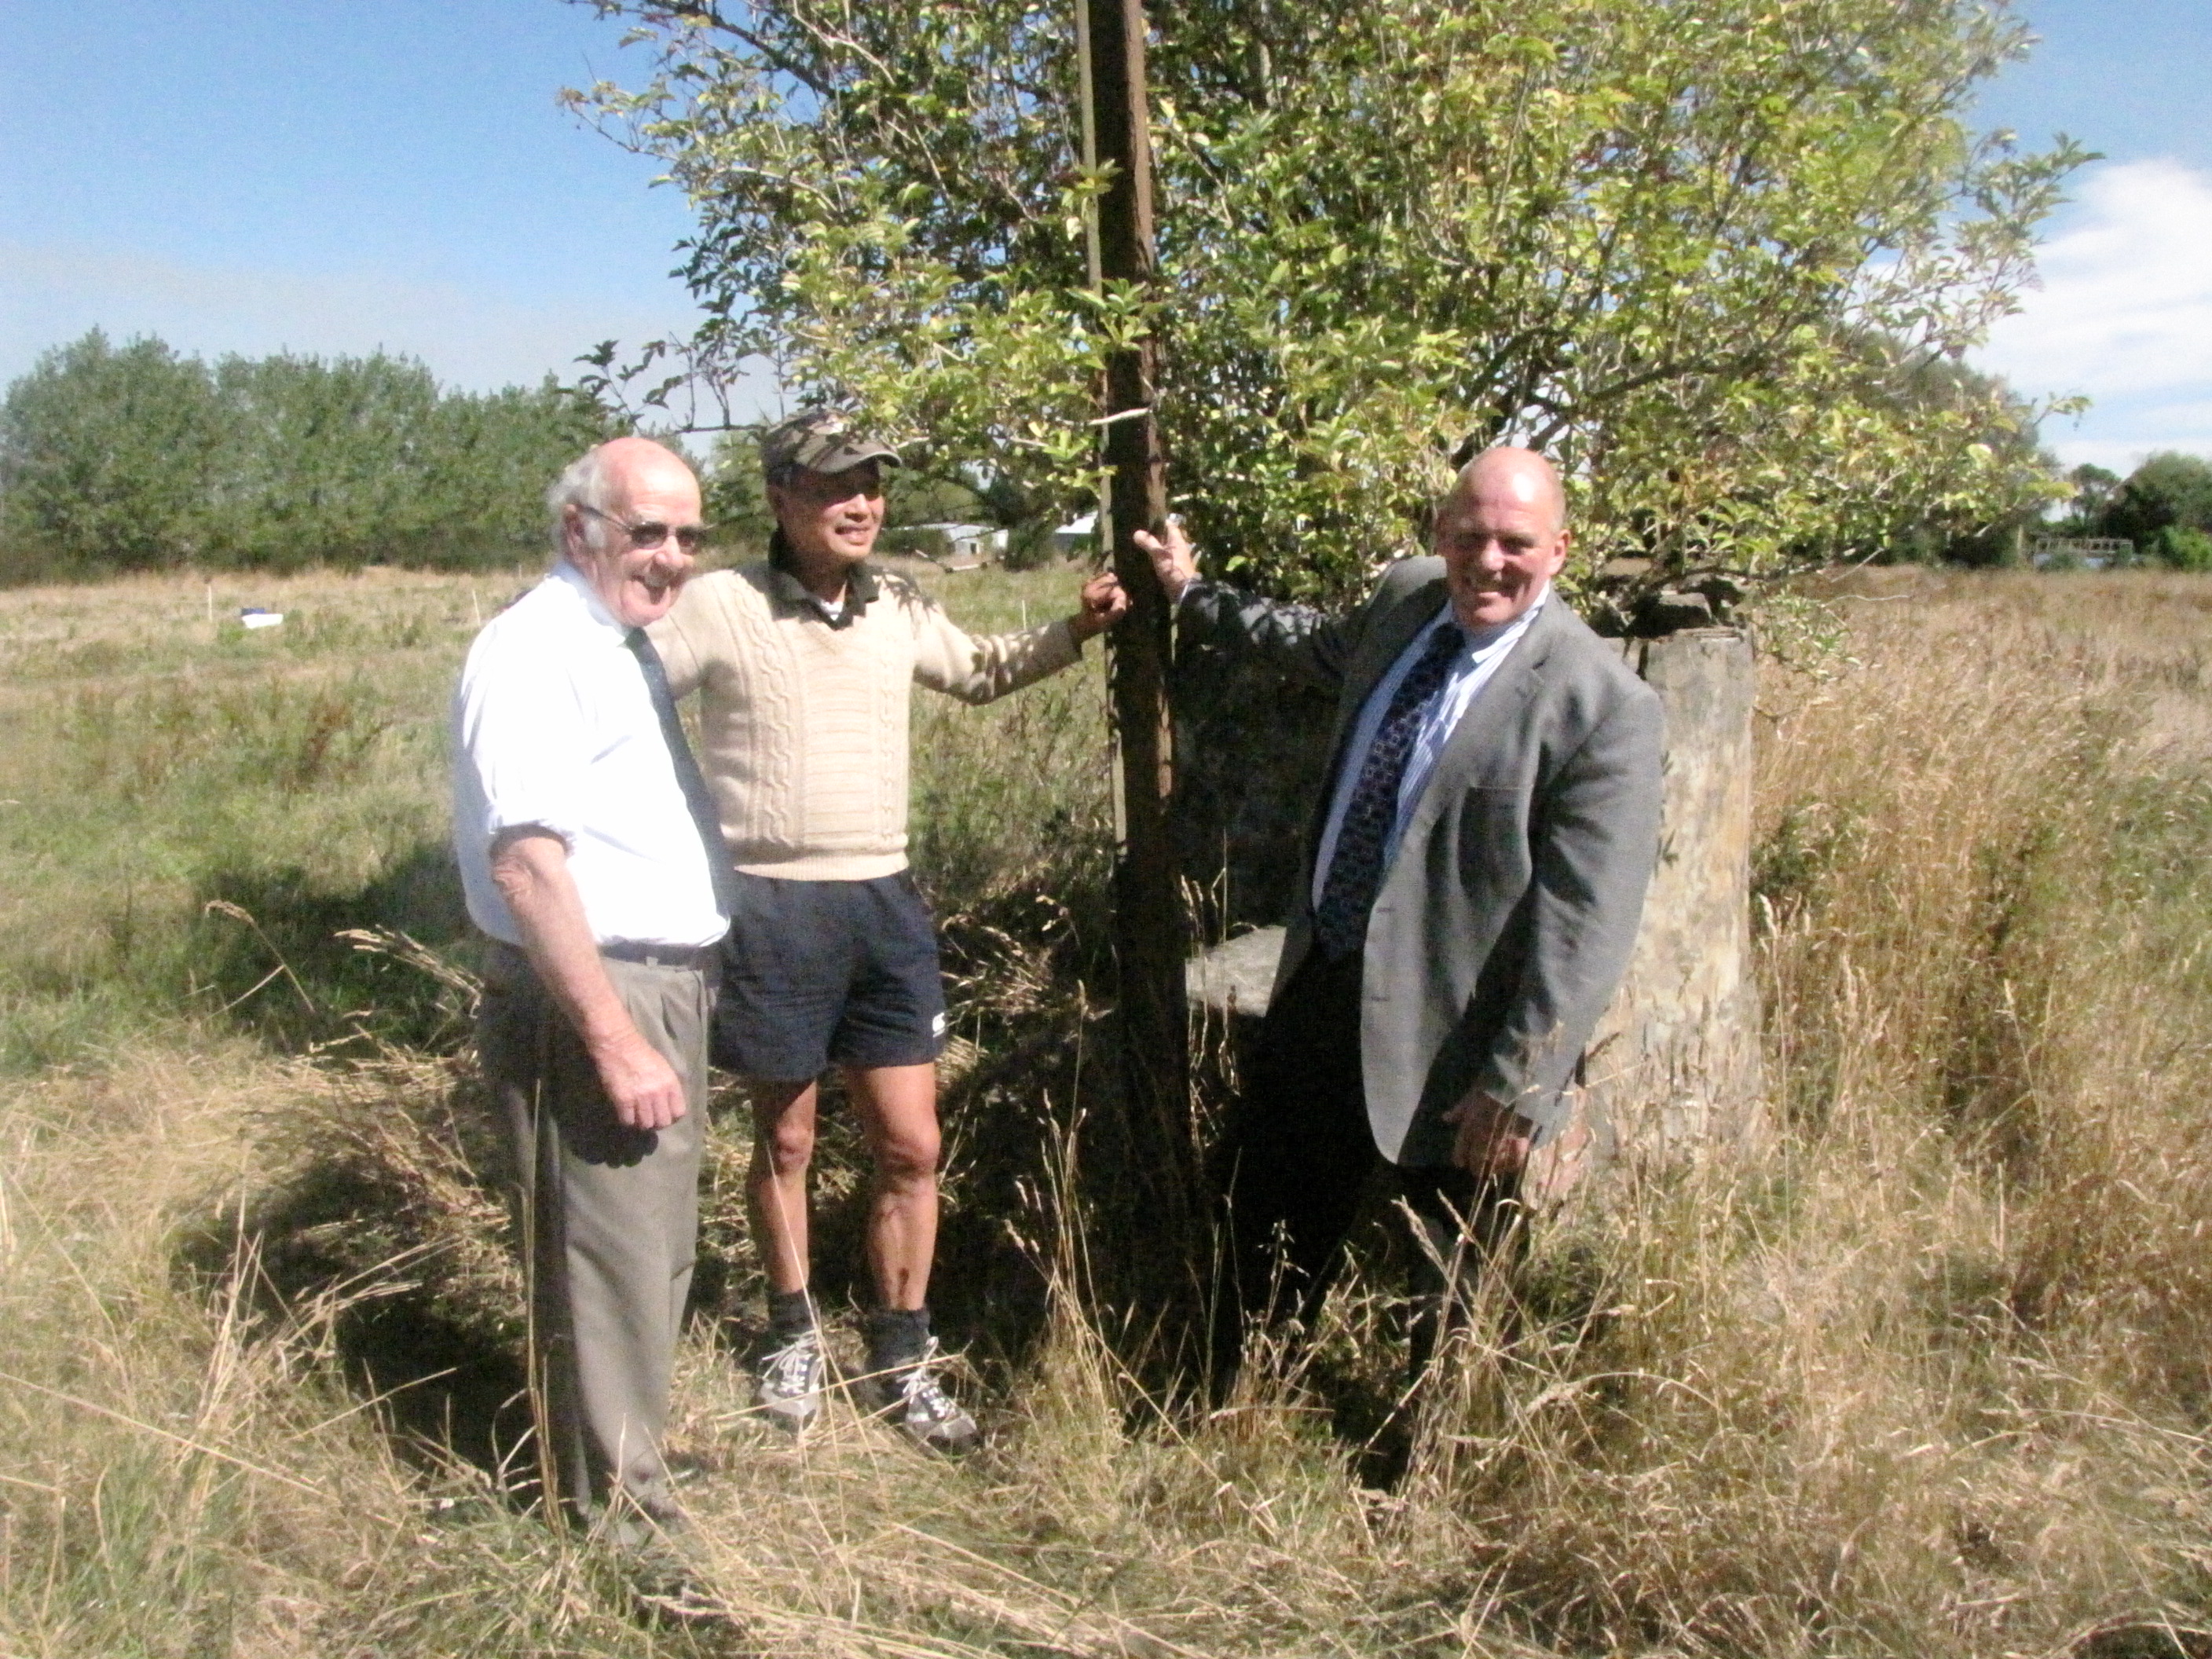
{"x": 591, "y": 858}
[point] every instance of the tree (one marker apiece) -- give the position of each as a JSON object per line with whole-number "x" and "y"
{"x": 324, "y": 461}
{"x": 2093, "y": 488}
{"x": 105, "y": 460}
{"x": 1994, "y": 439}
{"x": 490, "y": 456}
{"x": 919, "y": 498}
{"x": 2180, "y": 548}
{"x": 2169, "y": 491}
{"x": 141, "y": 458}
{"x": 1648, "y": 236}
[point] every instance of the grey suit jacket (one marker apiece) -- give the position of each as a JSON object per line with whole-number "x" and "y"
{"x": 1505, "y": 922}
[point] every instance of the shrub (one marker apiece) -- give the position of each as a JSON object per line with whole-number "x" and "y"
{"x": 2182, "y": 548}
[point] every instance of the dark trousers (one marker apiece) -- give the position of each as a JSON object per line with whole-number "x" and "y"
{"x": 1296, "y": 1165}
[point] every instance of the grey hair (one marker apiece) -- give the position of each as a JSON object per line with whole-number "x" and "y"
{"x": 582, "y": 483}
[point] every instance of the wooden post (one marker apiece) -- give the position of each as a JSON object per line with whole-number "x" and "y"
{"x": 1148, "y": 933}
{"x": 1086, "y": 79}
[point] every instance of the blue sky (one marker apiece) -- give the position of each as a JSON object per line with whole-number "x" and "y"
{"x": 330, "y": 176}
{"x": 2125, "y": 310}
{"x": 325, "y": 175}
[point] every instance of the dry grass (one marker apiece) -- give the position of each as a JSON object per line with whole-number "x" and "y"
{"x": 1926, "y": 1375}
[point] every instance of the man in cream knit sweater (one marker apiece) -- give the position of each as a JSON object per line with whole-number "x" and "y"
{"x": 803, "y": 663}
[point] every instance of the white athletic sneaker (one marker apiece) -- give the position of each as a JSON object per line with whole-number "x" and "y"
{"x": 790, "y": 1382}
{"x": 912, "y": 1399}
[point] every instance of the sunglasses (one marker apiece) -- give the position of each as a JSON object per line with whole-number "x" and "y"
{"x": 652, "y": 533}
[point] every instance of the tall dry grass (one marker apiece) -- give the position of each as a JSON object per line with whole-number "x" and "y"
{"x": 1922, "y": 1373}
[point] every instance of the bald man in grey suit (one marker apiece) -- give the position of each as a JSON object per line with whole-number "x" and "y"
{"x": 1474, "y": 876}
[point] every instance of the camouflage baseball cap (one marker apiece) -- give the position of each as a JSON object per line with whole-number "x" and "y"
{"x": 821, "y": 441}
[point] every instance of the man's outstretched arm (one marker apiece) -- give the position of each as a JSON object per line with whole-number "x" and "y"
{"x": 1307, "y": 644}
{"x": 980, "y": 667}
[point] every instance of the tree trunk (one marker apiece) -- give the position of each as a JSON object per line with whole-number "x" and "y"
{"x": 1149, "y": 935}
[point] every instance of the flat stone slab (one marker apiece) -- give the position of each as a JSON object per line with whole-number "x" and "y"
{"x": 1235, "y": 980}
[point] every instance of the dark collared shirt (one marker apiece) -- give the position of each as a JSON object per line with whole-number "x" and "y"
{"x": 784, "y": 585}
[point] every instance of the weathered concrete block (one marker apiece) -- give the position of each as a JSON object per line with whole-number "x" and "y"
{"x": 1674, "y": 1062}
{"x": 1233, "y": 980}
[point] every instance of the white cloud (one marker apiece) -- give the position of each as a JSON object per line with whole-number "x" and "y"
{"x": 2124, "y": 455}
{"x": 474, "y": 339}
{"x": 2125, "y": 315}
{"x": 2125, "y": 432}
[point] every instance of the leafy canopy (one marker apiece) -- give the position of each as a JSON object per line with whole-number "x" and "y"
{"x": 2092, "y": 487}
{"x": 1655, "y": 238}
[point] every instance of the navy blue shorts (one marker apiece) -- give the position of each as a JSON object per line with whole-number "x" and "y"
{"x": 823, "y": 973}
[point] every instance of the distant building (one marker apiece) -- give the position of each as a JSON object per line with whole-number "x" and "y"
{"x": 1076, "y": 536}
{"x": 2079, "y": 552}
{"x": 954, "y": 546}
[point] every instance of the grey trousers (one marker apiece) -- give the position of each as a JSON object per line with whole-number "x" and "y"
{"x": 607, "y": 1219}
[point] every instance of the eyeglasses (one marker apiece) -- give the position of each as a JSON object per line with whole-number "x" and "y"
{"x": 652, "y": 533}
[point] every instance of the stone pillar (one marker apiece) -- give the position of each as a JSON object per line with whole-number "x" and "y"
{"x": 1675, "y": 1060}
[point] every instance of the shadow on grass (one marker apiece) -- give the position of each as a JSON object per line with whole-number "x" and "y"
{"x": 381, "y": 1239}
{"x": 378, "y": 1238}
{"x": 270, "y": 944}
{"x": 444, "y": 1381}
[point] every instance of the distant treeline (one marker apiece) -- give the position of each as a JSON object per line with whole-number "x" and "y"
{"x": 2164, "y": 507}
{"x": 133, "y": 457}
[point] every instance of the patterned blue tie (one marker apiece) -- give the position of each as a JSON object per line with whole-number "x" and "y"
{"x": 1355, "y": 873}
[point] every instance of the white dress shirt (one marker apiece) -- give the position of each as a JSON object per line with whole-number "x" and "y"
{"x": 1481, "y": 656}
{"x": 553, "y": 727}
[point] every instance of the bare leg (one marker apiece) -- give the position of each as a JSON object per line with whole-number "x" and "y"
{"x": 775, "y": 1191}
{"x": 897, "y": 1106}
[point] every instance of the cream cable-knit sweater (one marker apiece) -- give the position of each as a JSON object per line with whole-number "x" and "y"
{"x": 804, "y": 725}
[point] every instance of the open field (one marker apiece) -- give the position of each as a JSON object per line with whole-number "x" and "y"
{"x": 1924, "y": 1374}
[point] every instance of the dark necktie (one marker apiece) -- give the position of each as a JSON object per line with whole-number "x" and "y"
{"x": 688, "y": 776}
{"x": 1355, "y": 869}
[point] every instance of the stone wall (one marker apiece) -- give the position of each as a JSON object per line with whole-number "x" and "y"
{"x": 1251, "y": 749}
